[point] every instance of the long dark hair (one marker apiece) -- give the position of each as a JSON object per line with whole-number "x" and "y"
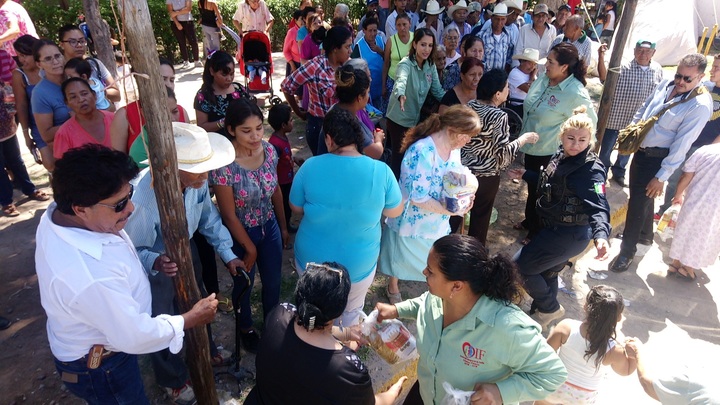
{"x": 567, "y": 54}
{"x": 464, "y": 258}
{"x": 240, "y": 110}
{"x": 417, "y": 36}
{"x": 218, "y": 61}
{"x": 335, "y": 38}
{"x": 603, "y": 307}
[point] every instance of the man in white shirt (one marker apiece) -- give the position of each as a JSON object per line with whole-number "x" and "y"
{"x": 538, "y": 35}
{"x": 92, "y": 284}
{"x": 400, "y": 8}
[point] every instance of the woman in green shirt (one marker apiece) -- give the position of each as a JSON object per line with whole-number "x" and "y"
{"x": 415, "y": 77}
{"x": 549, "y": 103}
{"x": 470, "y": 332}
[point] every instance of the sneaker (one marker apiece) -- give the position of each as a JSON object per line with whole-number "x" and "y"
{"x": 198, "y": 63}
{"x": 250, "y": 340}
{"x": 544, "y": 318}
{"x": 185, "y": 65}
{"x": 183, "y": 395}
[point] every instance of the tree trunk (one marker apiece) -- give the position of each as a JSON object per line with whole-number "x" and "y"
{"x": 621, "y": 35}
{"x": 163, "y": 159}
{"x": 100, "y": 31}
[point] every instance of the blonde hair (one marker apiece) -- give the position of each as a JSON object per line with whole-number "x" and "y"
{"x": 579, "y": 120}
{"x": 457, "y": 119}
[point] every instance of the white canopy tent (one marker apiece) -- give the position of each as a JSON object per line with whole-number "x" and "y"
{"x": 674, "y": 25}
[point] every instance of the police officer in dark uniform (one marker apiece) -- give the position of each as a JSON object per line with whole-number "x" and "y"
{"x": 573, "y": 210}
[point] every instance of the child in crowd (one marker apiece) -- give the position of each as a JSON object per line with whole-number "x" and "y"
{"x": 128, "y": 86}
{"x": 280, "y": 119}
{"x": 78, "y": 67}
{"x": 587, "y": 347}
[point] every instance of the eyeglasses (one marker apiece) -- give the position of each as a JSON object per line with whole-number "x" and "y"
{"x": 686, "y": 79}
{"x": 49, "y": 59}
{"x": 120, "y": 206}
{"x": 76, "y": 42}
{"x": 317, "y": 266}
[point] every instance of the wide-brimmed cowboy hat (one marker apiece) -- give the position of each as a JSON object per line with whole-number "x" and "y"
{"x": 516, "y": 4}
{"x": 530, "y": 54}
{"x": 199, "y": 151}
{"x": 460, "y": 5}
{"x": 500, "y": 10}
{"x": 433, "y": 8}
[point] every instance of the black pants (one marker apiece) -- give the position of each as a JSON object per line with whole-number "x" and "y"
{"x": 544, "y": 257}
{"x": 482, "y": 209}
{"x": 206, "y": 254}
{"x": 186, "y": 36}
{"x": 532, "y": 221}
{"x": 413, "y": 396}
{"x": 285, "y": 188}
{"x": 396, "y": 133}
{"x": 639, "y": 219}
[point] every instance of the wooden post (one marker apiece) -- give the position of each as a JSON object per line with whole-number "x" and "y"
{"x": 100, "y": 34}
{"x": 163, "y": 159}
{"x": 621, "y": 35}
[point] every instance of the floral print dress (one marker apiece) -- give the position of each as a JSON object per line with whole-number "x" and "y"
{"x": 253, "y": 189}
{"x": 215, "y": 109}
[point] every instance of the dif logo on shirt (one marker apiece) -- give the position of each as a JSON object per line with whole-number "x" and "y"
{"x": 472, "y": 356}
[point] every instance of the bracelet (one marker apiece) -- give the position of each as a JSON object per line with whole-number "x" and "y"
{"x": 220, "y": 123}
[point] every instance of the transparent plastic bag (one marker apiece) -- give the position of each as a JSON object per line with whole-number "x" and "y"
{"x": 459, "y": 187}
{"x": 666, "y": 225}
{"x": 390, "y": 339}
{"x": 454, "y": 396}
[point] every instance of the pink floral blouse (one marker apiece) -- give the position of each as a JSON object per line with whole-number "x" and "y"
{"x": 253, "y": 189}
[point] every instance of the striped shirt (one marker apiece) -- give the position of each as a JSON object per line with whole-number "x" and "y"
{"x": 320, "y": 79}
{"x": 634, "y": 85}
{"x": 491, "y": 150}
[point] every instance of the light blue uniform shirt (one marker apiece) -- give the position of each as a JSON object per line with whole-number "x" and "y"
{"x": 548, "y": 107}
{"x": 493, "y": 343}
{"x": 343, "y": 198}
{"x": 678, "y": 128}
{"x": 143, "y": 227}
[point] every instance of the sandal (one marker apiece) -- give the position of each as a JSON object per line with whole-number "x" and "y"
{"x": 672, "y": 271}
{"x": 39, "y": 196}
{"x": 10, "y": 210}
{"x": 225, "y": 305}
{"x": 394, "y": 298}
{"x": 685, "y": 273}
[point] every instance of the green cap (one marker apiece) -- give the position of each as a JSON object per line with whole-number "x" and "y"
{"x": 645, "y": 44}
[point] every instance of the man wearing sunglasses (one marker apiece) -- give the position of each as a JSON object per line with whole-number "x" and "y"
{"x": 663, "y": 150}
{"x": 93, "y": 287}
{"x": 198, "y": 152}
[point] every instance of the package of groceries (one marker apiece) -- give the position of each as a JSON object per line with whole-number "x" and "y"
{"x": 454, "y": 396}
{"x": 666, "y": 225}
{"x": 390, "y": 338}
{"x": 459, "y": 187}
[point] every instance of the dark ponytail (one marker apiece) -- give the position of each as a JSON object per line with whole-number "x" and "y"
{"x": 321, "y": 296}
{"x": 464, "y": 258}
{"x": 567, "y": 54}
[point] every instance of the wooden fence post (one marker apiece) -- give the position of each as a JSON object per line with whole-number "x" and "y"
{"x": 100, "y": 34}
{"x": 163, "y": 159}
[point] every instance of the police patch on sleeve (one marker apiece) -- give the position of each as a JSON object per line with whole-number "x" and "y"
{"x": 599, "y": 188}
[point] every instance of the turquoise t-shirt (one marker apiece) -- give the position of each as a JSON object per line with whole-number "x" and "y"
{"x": 343, "y": 198}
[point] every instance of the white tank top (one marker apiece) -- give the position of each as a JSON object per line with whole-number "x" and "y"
{"x": 581, "y": 372}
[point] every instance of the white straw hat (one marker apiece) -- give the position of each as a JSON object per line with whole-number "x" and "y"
{"x": 460, "y": 5}
{"x": 500, "y": 10}
{"x": 199, "y": 151}
{"x": 433, "y": 8}
{"x": 530, "y": 54}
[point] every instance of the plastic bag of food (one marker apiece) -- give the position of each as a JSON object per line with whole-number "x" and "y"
{"x": 454, "y": 396}
{"x": 459, "y": 187}
{"x": 390, "y": 338}
{"x": 666, "y": 225}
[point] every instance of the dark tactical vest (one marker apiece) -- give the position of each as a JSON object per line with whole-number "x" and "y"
{"x": 557, "y": 205}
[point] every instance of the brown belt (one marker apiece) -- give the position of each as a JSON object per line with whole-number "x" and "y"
{"x": 95, "y": 356}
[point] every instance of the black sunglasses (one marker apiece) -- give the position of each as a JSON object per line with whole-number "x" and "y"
{"x": 120, "y": 206}
{"x": 686, "y": 79}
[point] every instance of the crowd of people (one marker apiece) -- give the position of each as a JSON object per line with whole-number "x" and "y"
{"x": 411, "y": 94}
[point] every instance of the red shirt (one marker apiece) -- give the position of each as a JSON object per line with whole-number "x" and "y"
{"x": 285, "y": 172}
{"x": 136, "y": 120}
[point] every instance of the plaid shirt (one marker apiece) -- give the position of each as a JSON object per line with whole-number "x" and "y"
{"x": 320, "y": 79}
{"x": 498, "y": 52}
{"x": 582, "y": 44}
{"x": 633, "y": 87}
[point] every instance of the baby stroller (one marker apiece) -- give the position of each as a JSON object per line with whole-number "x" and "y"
{"x": 255, "y": 61}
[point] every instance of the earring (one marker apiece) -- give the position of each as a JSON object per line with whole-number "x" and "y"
{"x": 452, "y": 294}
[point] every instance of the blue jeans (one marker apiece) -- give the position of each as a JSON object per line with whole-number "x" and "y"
{"x": 116, "y": 381}
{"x": 268, "y": 242}
{"x": 544, "y": 257}
{"x": 10, "y": 158}
{"x": 608, "y": 144}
